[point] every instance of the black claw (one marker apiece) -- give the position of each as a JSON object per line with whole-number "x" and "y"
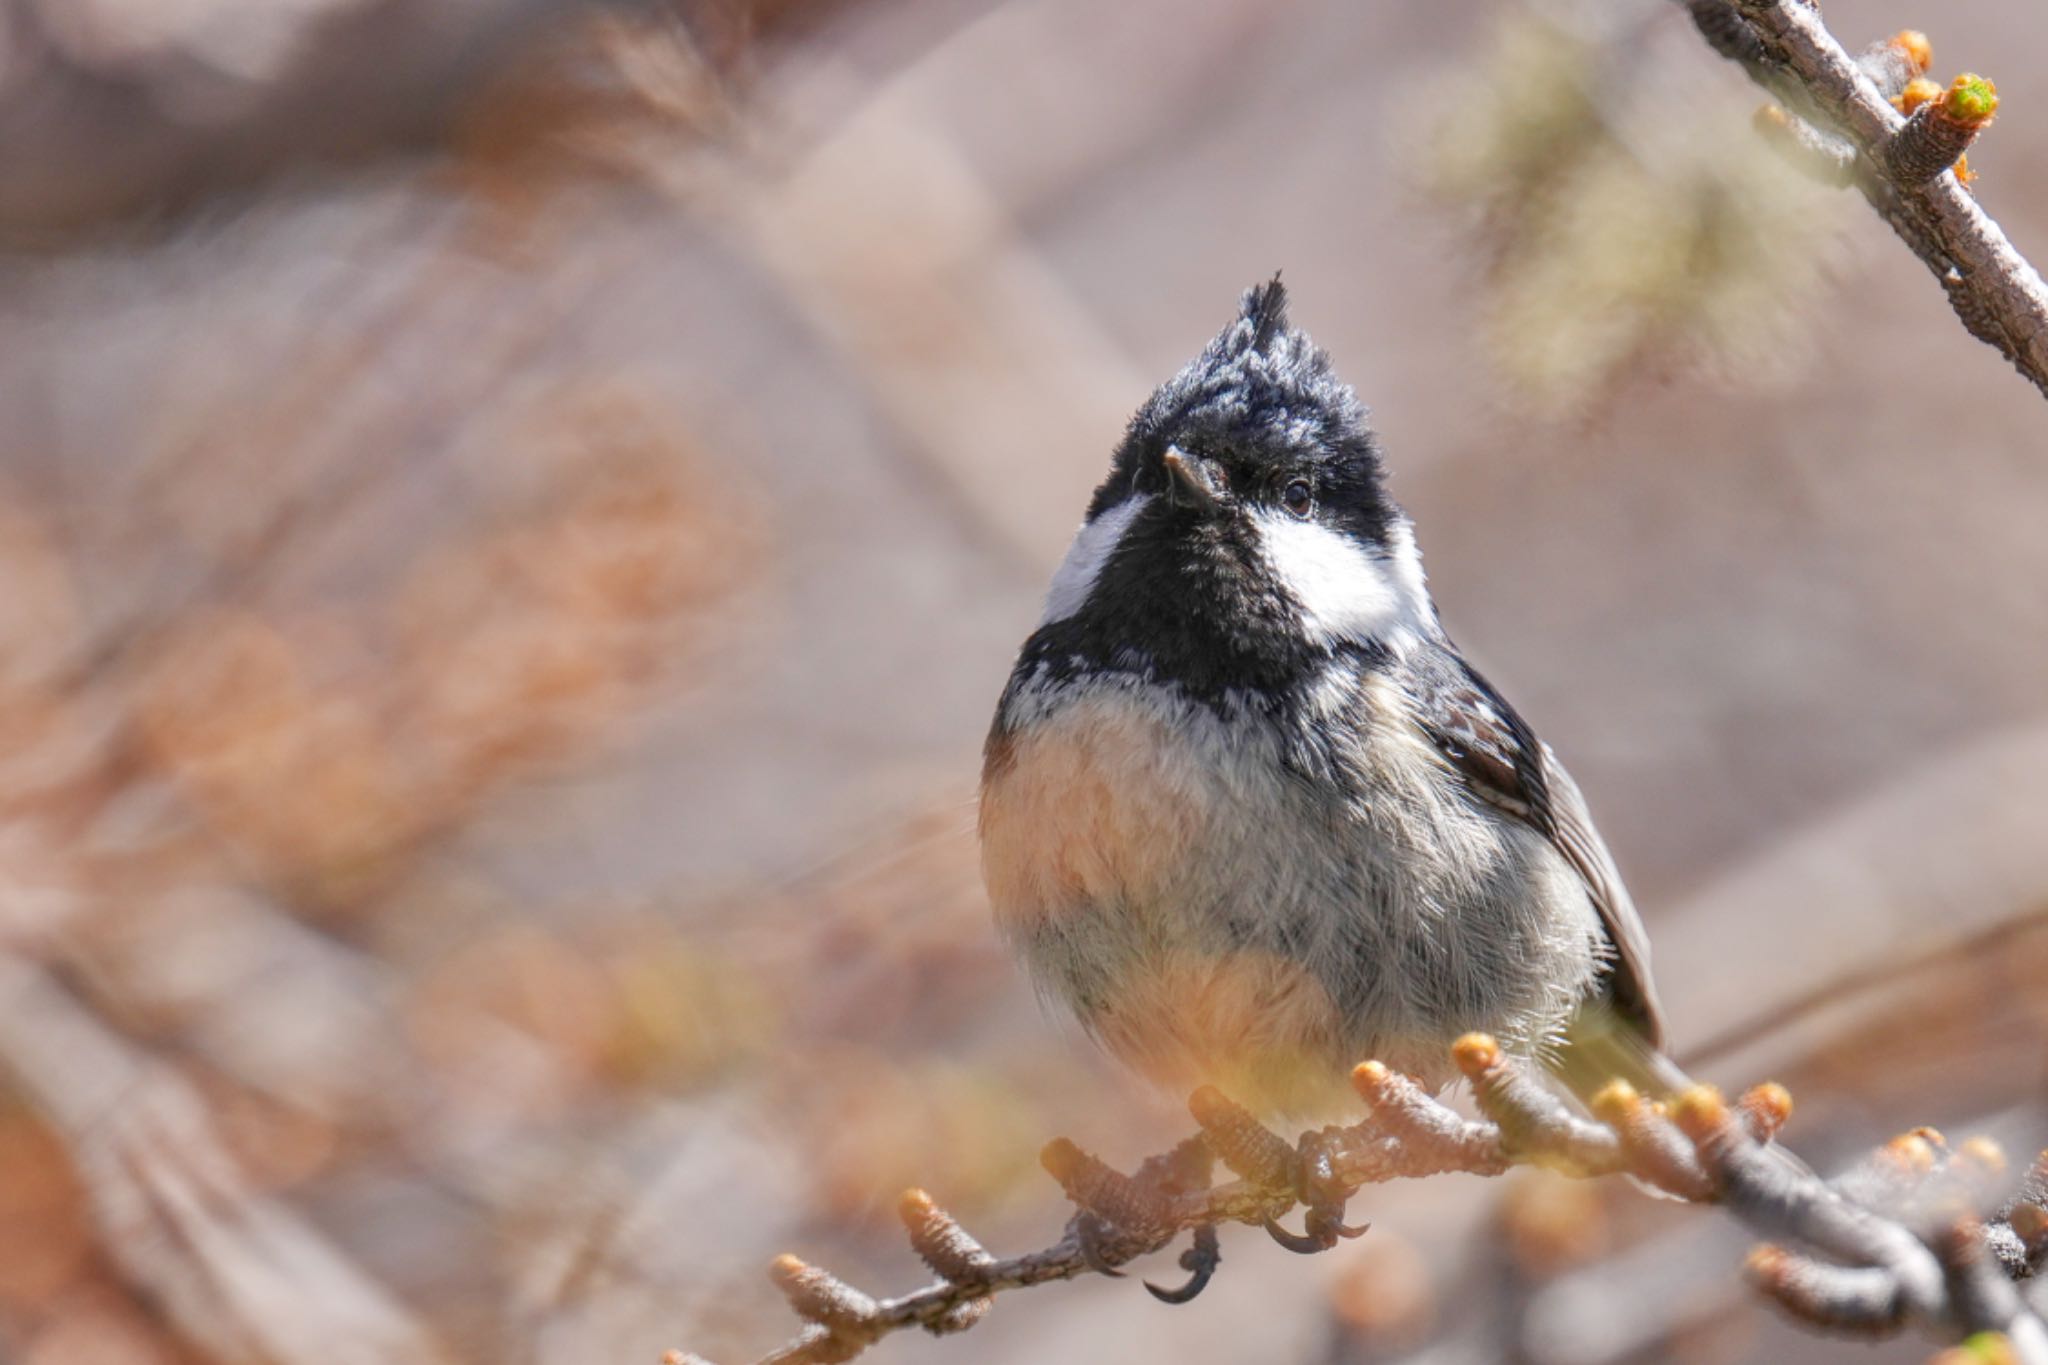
{"x": 1200, "y": 1261}
{"x": 1325, "y": 1198}
{"x": 1334, "y": 1226}
{"x": 1304, "y": 1244}
{"x": 1090, "y": 1232}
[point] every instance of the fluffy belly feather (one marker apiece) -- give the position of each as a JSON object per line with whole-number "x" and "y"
{"x": 1210, "y": 918}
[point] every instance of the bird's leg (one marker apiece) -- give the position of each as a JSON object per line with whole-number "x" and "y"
{"x": 1188, "y": 1169}
{"x": 1324, "y": 1194}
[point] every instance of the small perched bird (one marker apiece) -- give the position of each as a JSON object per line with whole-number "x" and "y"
{"x": 1247, "y": 810}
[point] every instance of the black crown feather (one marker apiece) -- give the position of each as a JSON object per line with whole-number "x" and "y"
{"x": 1264, "y": 309}
{"x": 1260, "y": 386}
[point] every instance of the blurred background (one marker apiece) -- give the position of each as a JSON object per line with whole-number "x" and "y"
{"x": 514, "y": 516}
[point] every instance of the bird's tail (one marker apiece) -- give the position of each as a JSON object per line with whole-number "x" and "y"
{"x": 1602, "y": 1046}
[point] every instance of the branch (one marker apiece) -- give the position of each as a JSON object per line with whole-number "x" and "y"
{"x": 1901, "y": 164}
{"x": 244, "y": 1277}
{"x": 1894, "y": 1243}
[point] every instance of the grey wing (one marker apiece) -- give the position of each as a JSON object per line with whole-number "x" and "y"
{"x": 1508, "y": 767}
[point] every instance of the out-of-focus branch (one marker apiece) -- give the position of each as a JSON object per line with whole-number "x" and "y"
{"x": 1897, "y": 1242}
{"x": 1901, "y": 164}
{"x": 242, "y": 1275}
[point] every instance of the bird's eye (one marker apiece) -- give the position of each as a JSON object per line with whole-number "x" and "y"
{"x": 1298, "y": 498}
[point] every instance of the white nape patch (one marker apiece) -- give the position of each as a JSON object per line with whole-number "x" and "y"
{"x": 1346, "y": 592}
{"x": 1093, "y": 544}
{"x": 1404, "y": 563}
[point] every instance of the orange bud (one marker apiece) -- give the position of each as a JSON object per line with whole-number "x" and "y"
{"x": 1918, "y": 91}
{"x": 1909, "y": 1153}
{"x": 1700, "y": 1111}
{"x": 1476, "y": 1052}
{"x": 1919, "y": 51}
{"x": 1769, "y": 1107}
{"x": 1615, "y": 1102}
{"x": 1983, "y": 1153}
{"x": 1765, "y": 1262}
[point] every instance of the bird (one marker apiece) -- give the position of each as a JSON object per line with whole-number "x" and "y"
{"x": 1248, "y": 812}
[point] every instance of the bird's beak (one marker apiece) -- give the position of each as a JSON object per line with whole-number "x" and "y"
{"x": 1194, "y": 480}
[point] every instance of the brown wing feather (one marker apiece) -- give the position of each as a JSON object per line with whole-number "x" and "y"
{"x": 1571, "y": 830}
{"x": 1509, "y": 768}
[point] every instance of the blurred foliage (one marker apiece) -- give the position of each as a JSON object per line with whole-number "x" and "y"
{"x": 1628, "y": 225}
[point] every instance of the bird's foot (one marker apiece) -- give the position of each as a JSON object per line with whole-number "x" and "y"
{"x": 1324, "y": 1195}
{"x": 1304, "y": 1174}
{"x": 1122, "y": 1217}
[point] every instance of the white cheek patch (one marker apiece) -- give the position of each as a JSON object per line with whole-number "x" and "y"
{"x": 1404, "y": 564}
{"x": 1093, "y": 544}
{"x": 1346, "y": 593}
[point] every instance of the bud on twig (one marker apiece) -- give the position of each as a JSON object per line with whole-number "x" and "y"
{"x": 1531, "y": 1119}
{"x": 1765, "y": 1110}
{"x": 1656, "y": 1150}
{"x": 1941, "y": 130}
{"x": 939, "y": 1241}
{"x": 823, "y": 1298}
{"x": 1840, "y": 1298}
{"x": 1249, "y": 1148}
{"x": 1897, "y": 60}
{"x": 1100, "y": 1189}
